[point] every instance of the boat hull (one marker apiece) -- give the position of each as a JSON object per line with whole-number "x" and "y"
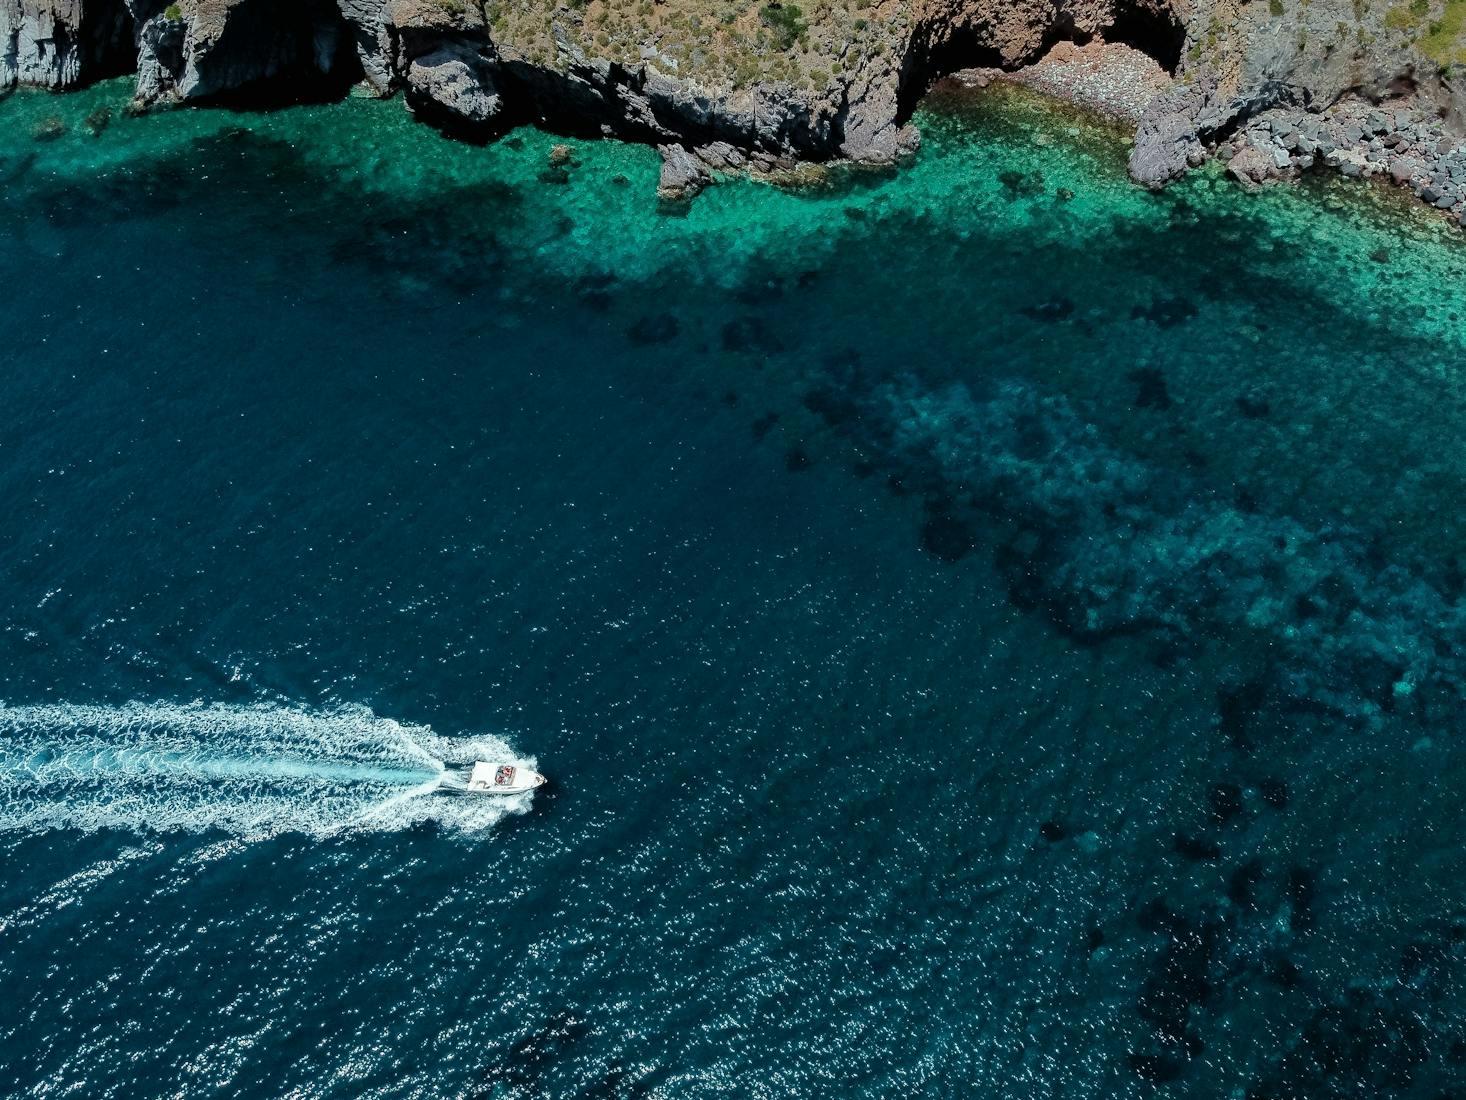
{"x": 490, "y": 780}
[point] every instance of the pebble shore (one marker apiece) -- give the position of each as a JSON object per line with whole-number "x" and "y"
{"x": 1108, "y": 77}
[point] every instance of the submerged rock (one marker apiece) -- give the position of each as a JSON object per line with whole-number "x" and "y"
{"x": 1054, "y": 309}
{"x": 1253, "y": 407}
{"x": 1165, "y": 312}
{"x": 1150, "y": 389}
{"x": 762, "y": 425}
{"x": 1157, "y": 1068}
{"x": 1125, "y": 548}
{"x": 657, "y": 328}
{"x": 1225, "y": 801}
{"x": 796, "y": 460}
{"x": 1196, "y": 849}
{"x": 750, "y": 334}
{"x": 97, "y": 121}
{"x": 49, "y": 128}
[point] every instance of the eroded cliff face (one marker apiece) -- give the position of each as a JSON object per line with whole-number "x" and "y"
{"x": 1257, "y": 57}
{"x": 61, "y": 43}
{"x": 727, "y": 84}
{"x": 199, "y": 49}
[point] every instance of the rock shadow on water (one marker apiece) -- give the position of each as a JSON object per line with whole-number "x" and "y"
{"x": 1021, "y": 185}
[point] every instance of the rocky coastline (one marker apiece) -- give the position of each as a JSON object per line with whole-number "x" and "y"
{"x": 1404, "y": 140}
{"x": 1403, "y": 143}
{"x": 1339, "y": 84}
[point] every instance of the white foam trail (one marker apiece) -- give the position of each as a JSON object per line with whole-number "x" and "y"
{"x": 247, "y": 770}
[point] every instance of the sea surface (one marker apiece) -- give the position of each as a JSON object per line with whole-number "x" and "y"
{"x": 991, "y": 632}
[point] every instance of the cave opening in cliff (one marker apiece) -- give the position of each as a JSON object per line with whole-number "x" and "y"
{"x": 106, "y": 38}
{"x": 938, "y": 52}
{"x": 934, "y": 55}
{"x": 313, "y": 51}
{"x": 1155, "y": 32}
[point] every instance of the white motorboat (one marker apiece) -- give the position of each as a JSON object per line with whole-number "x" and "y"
{"x": 491, "y": 777}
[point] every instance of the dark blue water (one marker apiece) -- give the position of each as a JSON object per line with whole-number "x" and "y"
{"x": 990, "y": 632}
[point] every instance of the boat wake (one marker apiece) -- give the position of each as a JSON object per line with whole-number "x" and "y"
{"x": 247, "y": 770}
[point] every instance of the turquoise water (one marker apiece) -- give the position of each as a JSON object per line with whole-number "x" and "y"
{"x": 992, "y": 632}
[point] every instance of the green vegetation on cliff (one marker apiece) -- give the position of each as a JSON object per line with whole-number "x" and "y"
{"x": 718, "y": 43}
{"x": 1439, "y": 33}
{"x": 1445, "y": 42}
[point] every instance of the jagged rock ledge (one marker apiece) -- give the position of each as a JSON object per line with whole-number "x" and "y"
{"x": 1215, "y": 77}
{"x": 1406, "y": 138}
{"x": 1402, "y": 142}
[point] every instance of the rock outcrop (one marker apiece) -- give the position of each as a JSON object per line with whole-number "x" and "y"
{"x": 202, "y": 49}
{"x": 767, "y": 85}
{"x": 445, "y": 62}
{"x": 1173, "y": 132}
{"x": 372, "y": 33}
{"x": 683, "y": 174}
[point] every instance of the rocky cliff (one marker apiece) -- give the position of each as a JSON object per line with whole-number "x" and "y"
{"x": 60, "y": 43}
{"x": 727, "y": 84}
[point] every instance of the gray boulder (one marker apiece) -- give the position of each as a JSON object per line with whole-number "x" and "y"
{"x": 445, "y": 61}
{"x": 1252, "y": 166}
{"x": 683, "y": 175}
{"x": 1168, "y": 139}
{"x": 455, "y": 79}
